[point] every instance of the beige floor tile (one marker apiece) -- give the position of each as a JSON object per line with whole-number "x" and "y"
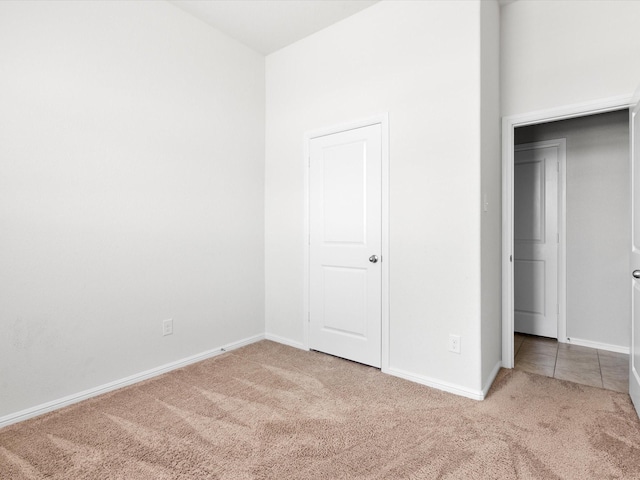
{"x": 577, "y": 353}
{"x": 608, "y": 354}
{"x": 537, "y": 358}
{"x": 532, "y": 346}
{"x": 612, "y": 359}
{"x": 619, "y": 385}
{"x": 553, "y": 341}
{"x": 568, "y": 347}
{"x": 614, "y": 368}
{"x": 525, "y": 366}
{"x": 541, "y": 340}
{"x": 586, "y": 373}
{"x": 579, "y": 363}
{"x": 617, "y": 382}
{"x": 620, "y": 372}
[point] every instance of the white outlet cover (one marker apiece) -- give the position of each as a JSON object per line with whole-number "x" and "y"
{"x": 167, "y": 327}
{"x": 454, "y": 343}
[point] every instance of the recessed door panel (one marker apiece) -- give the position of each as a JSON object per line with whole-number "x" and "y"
{"x": 530, "y": 207}
{"x": 529, "y": 286}
{"x": 345, "y": 301}
{"x": 344, "y": 193}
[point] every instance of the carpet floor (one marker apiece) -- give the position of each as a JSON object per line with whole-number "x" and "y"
{"x": 269, "y": 411}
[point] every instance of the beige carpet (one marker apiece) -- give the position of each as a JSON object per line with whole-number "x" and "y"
{"x": 271, "y": 411}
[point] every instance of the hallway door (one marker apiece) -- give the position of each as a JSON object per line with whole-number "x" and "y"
{"x": 345, "y": 219}
{"x": 536, "y": 239}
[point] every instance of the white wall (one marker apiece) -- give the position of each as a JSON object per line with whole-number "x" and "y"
{"x": 563, "y": 52}
{"x": 491, "y": 166}
{"x": 598, "y": 223}
{"x": 131, "y": 190}
{"x": 419, "y": 61}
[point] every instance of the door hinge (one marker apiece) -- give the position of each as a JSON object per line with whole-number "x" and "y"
{"x": 558, "y": 308}
{"x": 558, "y": 166}
{"x": 558, "y": 238}
{"x": 511, "y": 258}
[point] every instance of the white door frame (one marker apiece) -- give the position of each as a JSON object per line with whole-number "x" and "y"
{"x": 383, "y": 121}
{"x": 509, "y": 124}
{"x": 561, "y": 145}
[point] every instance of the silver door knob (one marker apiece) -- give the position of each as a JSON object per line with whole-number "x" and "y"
{"x": 636, "y": 274}
{"x": 373, "y": 259}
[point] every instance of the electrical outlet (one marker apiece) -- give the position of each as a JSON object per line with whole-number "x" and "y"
{"x": 167, "y": 326}
{"x": 454, "y": 343}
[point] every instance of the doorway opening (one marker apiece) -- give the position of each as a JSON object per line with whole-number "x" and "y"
{"x": 589, "y": 319}
{"x": 544, "y": 126}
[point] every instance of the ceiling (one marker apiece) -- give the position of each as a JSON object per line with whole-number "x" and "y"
{"x": 269, "y": 25}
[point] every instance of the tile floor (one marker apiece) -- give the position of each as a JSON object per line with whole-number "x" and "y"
{"x": 588, "y": 366}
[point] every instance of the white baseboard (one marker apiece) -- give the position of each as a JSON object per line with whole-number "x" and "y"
{"x": 285, "y": 341}
{"x": 492, "y": 377}
{"x": 598, "y": 345}
{"x": 438, "y": 384}
{"x": 123, "y": 382}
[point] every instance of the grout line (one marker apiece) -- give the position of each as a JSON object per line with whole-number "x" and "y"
{"x": 600, "y": 368}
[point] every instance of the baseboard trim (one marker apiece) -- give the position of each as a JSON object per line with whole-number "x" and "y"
{"x": 492, "y": 377}
{"x": 123, "y": 382}
{"x": 600, "y": 346}
{"x": 285, "y": 341}
{"x": 437, "y": 384}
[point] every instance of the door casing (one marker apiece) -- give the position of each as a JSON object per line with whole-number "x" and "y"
{"x": 383, "y": 121}
{"x": 509, "y": 124}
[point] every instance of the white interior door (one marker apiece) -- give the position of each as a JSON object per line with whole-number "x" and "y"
{"x": 634, "y": 357}
{"x": 345, "y": 279}
{"x": 536, "y": 240}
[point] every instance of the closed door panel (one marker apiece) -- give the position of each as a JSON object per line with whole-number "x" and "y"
{"x": 345, "y": 301}
{"x": 530, "y": 286}
{"x": 345, "y": 178}
{"x": 536, "y": 240}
